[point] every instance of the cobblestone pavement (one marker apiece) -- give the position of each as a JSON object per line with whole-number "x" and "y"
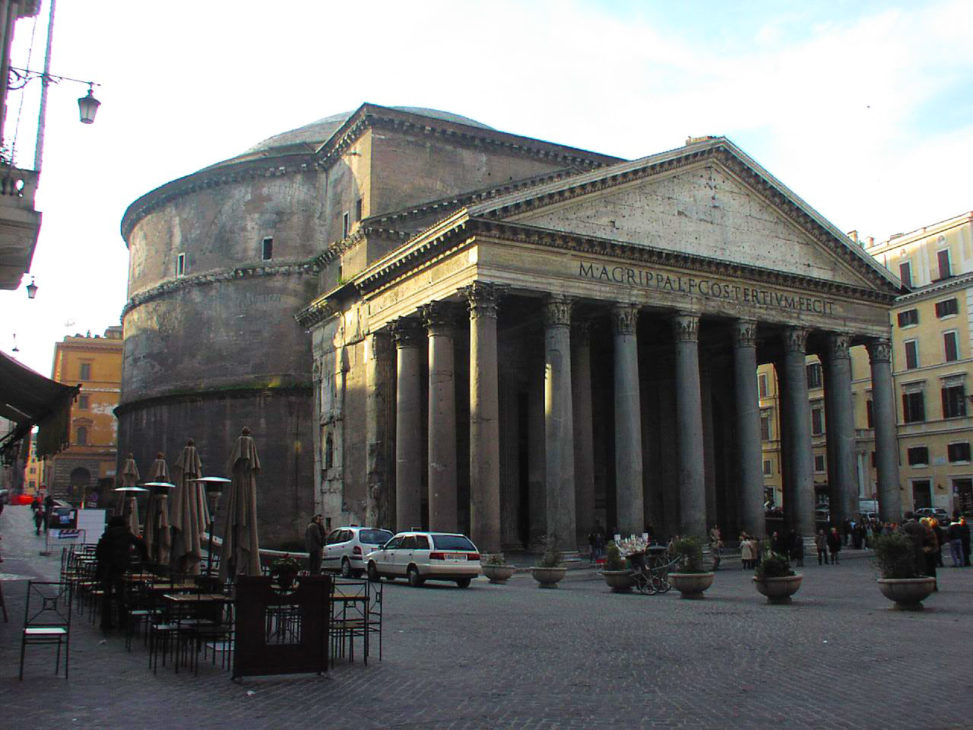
{"x": 515, "y": 656}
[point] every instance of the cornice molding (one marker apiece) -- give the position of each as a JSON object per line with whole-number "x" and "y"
{"x": 212, "y": 177}
{"x": 936, "y": 288}
{"x": 242, "y": 272}
{"x": 423, "y": 250}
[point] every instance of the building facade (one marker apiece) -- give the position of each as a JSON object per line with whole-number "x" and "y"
{"x": 89, "y": 461}
{"x": 508, "y": 337}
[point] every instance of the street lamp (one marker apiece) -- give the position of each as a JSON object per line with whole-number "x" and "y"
{"x": 88, "y": 106}
{"x": 214, "y": 488}
{"x": 31, "y": 289}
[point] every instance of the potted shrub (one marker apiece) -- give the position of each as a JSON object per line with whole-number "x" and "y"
{"x": 549, "y": 570}
{"x": 616, "y": 574}
{"x": 900, "y": 582}
{"x": 284, "y": 570}
{"x": 775, "y": 579}
{"x": 497, "y": 569}
{"x": 690, "y": 578}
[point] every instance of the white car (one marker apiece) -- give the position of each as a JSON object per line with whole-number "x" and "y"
{"x": 419, "y": 556}
{"x": 345, "y": 548}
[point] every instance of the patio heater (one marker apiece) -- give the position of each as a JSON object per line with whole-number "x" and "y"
{"x": 214, "y": 488}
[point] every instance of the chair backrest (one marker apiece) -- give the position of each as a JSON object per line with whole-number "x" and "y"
{"x": 48, "y": 604}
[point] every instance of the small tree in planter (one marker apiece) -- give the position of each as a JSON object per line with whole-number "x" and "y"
{"x": 615, "y": 572}
{"x": 775, "y": 578}
{"x": 497, "y": 569}
{"x": 690, "y": 578}
{"x": 900, "y": 580}
{"x": 549, "y": 569}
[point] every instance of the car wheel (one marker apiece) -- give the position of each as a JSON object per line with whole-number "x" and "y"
{"x": 463, "y": 582}
{"x": 415, "y": 580}
{"x": 373, "y": 575}
{"x": 345, "y": 568}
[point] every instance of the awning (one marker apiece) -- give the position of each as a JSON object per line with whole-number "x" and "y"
{"x": 28, "y": 398}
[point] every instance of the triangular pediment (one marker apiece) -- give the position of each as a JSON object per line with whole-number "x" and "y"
{"x": 712, "y": 206}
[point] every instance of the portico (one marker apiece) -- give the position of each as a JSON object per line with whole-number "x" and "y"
{"x": 584, "y": 352}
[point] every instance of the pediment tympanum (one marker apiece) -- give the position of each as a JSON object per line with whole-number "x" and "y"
{"x": 701, "y": 210}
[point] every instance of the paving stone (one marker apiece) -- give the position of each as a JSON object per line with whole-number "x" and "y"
{"x": 515, "y": 656}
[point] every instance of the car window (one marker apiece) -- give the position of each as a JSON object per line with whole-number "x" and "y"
{"x": 453, "y": 542}
{"x": 374, "y": 537}
{"x": 422, "y": 542}
{"x": 334, "y": 537}
{"x": 409, "y": 543}
{"x": 394, "y": 543}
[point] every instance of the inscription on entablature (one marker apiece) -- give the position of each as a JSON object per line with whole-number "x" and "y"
{"x": 704, "y": 287}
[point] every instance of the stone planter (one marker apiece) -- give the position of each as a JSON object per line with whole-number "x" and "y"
{"x": 778, "y": 590}
{"x": 691, "y": 585}
{"x": 498, "y": 573}
{"x": 548, "y": 577}
{"x": 907, "y": 593}
{"x": 620, "y": 581}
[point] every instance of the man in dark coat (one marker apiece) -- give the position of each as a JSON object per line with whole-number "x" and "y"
{"x": 916, "y": 533}
{"x": 313, "y": 542}
{"x": 117, "y": 551}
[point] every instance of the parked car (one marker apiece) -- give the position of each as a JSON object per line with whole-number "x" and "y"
{"x": 345, "y": 548}
{"x": 941, "y": 516}
{"x": 4, "y": 495}
{"x": 421, "y": 556}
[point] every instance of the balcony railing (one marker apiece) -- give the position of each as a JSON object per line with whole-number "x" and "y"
{"x": 17, "y": 185}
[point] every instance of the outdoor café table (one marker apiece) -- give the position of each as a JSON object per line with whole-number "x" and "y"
{"x": 195, "y": 613}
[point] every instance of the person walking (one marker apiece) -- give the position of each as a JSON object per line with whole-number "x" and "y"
{"x": 716, "y": 545}
{"x": 955, "y": 543}
{"x": 834, "y": 545}
{"x": 116, "y": 553}
{"x": 746, "y": 551}
{"x": 38, "y": 509}
{"x": 930, "y": 548}
{"x": 821, "y": 544}
{"x": 313, "y": 543}
{"x": 964, "y": 537}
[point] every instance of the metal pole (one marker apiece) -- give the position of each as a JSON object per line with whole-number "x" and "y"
{"x": 45, "y": 82}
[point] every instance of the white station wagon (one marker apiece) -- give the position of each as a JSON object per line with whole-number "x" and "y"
{"x": 419, "y": 556}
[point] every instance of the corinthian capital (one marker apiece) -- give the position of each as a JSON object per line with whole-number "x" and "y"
{"x": 795, "y": 339}
{"x": 838, "y": 345}
{"x": 482, "y": 298}
{"x": 406, "y": 332}
{"x": 557, "y": 311}
{"x": 745, "y": 333}
{"x": 624, "y": 319}
{"x": 879, "y": 350}
{"x": 686, "y": 327}
{"x": 437, "y": 317}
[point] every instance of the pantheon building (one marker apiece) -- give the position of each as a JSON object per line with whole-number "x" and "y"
{"x": 427, "y": 322}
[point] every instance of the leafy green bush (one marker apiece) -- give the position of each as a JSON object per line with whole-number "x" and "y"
{"x": 895, "y": 555}
{"x": 551, "y": 558}
{"x": 773, "y": 565}
{"x": 689, "y": 550}
{"x": 613, "y": 558}
{"x": 496, "y": 559}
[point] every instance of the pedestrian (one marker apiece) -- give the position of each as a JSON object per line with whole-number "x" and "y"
{"x": 715, "y": 545}
{"x": 746, "y": 551}
{"x": 48, "y": 511}
{"x": 930, "y": 548}
{"x": 912, "y": 529}
{"x": 940, "y": 531}
{"x": 38, "y": 516}
{"x": 964, "y": 537}
{"x": 821, "y": 545}
{"x": 596, "y": 542}
{"x": 796, "y": 549}
{"x": 955, "y": 543}
{"x": 117, "y": 551}
{"x": 313, "y": 542}
{"x": 834, "y": 545}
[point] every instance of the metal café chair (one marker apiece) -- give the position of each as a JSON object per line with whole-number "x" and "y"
{"x": 47, "y": 620}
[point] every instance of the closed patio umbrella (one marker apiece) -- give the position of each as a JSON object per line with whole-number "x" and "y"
{"x": 240, "y": 553}
{"x": 129, "y": 505}
{"x": 189, "y": 514}
{"x": 157, "y": 533}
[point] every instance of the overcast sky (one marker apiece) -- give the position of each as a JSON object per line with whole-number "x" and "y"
{"x": 864, "y": 109}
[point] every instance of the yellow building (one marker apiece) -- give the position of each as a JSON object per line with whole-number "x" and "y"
{"x": 932, "y": 369}
{"x": 931, "y": 361}
{"x": 88, "y": 463}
